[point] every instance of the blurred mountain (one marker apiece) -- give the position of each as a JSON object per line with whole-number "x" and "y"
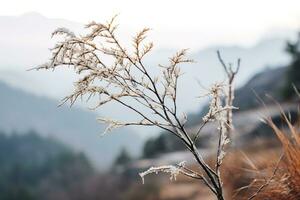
{"x": 21, "y": 111}
{"x": 27, "y": 38}
{"x": 265, "y": 86}
{"x": 269, "y": 82}
{"x": 25, "y": 41}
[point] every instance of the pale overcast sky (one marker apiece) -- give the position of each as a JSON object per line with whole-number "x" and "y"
{"x": 179, "y": 23}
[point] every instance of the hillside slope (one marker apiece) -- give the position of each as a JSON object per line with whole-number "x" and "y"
{"x": 34, "y": 167}
{"x": 21, "y": 111}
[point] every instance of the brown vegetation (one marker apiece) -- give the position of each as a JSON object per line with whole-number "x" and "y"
{"x": 266, "y": 173}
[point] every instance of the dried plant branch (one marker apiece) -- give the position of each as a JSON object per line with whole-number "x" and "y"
{"x": 114, "y": 74}
{"x": 231, "y": 73}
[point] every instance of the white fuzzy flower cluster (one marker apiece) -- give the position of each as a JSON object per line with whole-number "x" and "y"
{"x": 216, "y": 108}
{"x": 173, "y": 170}
{"x": 111, "y": 124}
{"x": 220, "y": 110}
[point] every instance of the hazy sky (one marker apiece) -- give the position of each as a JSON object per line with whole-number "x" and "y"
{"x": 179, "y": 23}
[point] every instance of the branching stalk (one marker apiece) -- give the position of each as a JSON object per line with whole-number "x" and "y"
{"x": 114, "y": 74}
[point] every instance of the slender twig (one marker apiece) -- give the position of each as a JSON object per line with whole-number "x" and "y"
{"x": 269, "y": 180}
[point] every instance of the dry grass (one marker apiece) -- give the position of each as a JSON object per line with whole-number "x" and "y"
{"x": 286, "y": 183}
{"x": 263, "y": 173}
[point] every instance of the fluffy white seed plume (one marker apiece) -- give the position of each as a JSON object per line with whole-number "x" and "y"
{"x": 173, "y": 170}
{"x": 111, "y": 124}
{"x": 219, "y": 108}
{"x": 216, "y": 93}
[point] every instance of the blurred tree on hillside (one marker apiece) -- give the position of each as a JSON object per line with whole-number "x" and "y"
{"x": 165, "y": 143}
{"x": 33, "y": 167}
{"x": 293, "y": 74}
{"x": 123, "y": 158}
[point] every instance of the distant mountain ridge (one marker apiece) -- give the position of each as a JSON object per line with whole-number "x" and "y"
{"x": 263, "y": 86}
{"x": 21, "y": 111}
{"x": 268, "y": 82}
{"x": 31, "y": 48}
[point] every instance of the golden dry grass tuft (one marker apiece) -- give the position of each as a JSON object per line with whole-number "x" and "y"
{"x": 268, "y": 173}
{"x": 286, "y": 182}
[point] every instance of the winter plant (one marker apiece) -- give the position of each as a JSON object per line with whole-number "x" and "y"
{"x": 112, "y": 73}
